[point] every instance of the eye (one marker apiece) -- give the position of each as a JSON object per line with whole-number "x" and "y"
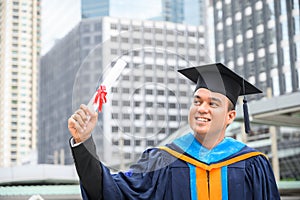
{"x": 213, "y": 104}
{"x": 197, "y": 102}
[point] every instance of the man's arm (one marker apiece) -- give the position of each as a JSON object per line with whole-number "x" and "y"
{"x": 88, "y": 168}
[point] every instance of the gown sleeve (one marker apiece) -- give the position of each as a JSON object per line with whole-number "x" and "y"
{"x": 147, "y": 179}
{"x": 88, "y": 169}
{"x": 260, "y": 181}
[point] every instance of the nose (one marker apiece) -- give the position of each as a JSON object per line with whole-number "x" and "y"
{"x": 203, "y": 107}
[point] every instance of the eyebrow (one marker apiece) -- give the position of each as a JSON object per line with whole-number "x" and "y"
{"x": 211, "y": 98}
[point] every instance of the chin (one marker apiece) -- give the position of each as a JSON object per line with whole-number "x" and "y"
{"x": 200, "y": 132}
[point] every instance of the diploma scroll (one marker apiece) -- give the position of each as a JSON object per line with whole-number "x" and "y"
{"x": 99, "y": 96}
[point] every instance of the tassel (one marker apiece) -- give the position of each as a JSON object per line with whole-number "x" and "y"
{"x": 246, "y": 116}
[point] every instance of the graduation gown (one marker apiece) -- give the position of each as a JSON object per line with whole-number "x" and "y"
{"x": 183, "y": 170}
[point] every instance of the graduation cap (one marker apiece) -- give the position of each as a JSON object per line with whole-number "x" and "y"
{"x": 218, "y": 78}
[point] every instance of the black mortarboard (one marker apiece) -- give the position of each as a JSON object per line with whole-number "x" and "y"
{"x": 217, "y": 77}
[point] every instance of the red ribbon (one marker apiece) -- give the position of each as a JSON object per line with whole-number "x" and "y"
{"x": 100, "y": 97}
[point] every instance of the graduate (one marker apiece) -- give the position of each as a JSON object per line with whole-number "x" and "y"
{"x": 200, "y": 165}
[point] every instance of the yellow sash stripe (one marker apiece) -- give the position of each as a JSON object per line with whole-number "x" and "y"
{"x": 215, "y": 184}
{"x": 202, "y": 184}
{"x": 212, "y": 166}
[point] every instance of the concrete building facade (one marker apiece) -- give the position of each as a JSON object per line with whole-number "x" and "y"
{"x": 19, "y": 53}
{"x": 260, "y": 40}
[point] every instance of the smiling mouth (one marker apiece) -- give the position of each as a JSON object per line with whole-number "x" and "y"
{"x": 202, "y": 119}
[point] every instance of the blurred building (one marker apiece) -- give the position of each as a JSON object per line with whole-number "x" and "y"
{"x": 94, "y": 8}
{"x": 19, "y": 52}
{"x": 147, "y": 102}
{"x": 260, "y": 40}
{"x": 192, "y": 12}
{"x": 131, "y": 9}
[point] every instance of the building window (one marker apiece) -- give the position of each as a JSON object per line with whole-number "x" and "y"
{"x": 127, "y": 142}
{"x": 114, "y": 116}
{"x": 172, "y": 118}
{"x": 97, "y": 27}
{"x": 148, "y": 91}
{"x": 113, "y": 26}
{"x": 149, "y": 104}
{"x": 159, "y": 43}
{"x": 114, "y": 129}
{"x": 161, "y": 117}
{"x": 172, "y": 105}
{"x": 126, "y": 116}
{"x": 127, "y": 155}
{"x": 126, "y": 103}
{"x": 137, "y": 142}
{"x": 127, "y": 129}
{"x": 125, "y": 90}
{"x": 97, "y": 38}
{"x": 161, "y": 92}
{"x": 160, "y": 80}
{"x": 114, "y": 51}
{"x": 124, "y": 27}
{"x": 86, "y": 40}
{"x": 86, "y": 28}
{"x": 115, "y": 103}
{"x": 150, "y": 142}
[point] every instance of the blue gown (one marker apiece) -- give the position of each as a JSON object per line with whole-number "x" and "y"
{"x": 160, "y": 175}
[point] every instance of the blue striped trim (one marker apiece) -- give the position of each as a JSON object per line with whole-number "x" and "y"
{"x": 224, "y": 183}
{"x": 193, "y": 181}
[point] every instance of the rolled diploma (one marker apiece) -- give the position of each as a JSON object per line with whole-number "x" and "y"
{"x": 112, "y": 76}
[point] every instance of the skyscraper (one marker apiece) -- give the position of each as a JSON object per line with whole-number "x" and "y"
{"x": 133, "y": 9}
{"x": 260, "y": 40}
{"x": 192, "y": 12}
{"x": 19, "y": 52}
{"x": 94, "y": 8}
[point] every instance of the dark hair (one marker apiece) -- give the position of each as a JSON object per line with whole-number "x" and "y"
{"x": 230, "y": 106}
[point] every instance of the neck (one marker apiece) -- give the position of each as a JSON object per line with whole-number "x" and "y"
{"x": 209, "y": 142}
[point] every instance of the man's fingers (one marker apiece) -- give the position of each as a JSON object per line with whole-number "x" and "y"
{"x": 89, "y": 114}
{"x": 76, "y": 122}
{"x": 85, "y": 109}
{"x": 79, "y": 119}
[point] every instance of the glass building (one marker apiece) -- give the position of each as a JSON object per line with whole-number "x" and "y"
{"x": 94, "y": 8}
{"x": 192, "y": 12}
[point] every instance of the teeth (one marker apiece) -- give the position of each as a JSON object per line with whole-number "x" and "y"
{"x": 202, "y": 119}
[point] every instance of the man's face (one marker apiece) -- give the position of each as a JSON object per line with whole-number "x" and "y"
{"x": 209, "y": 113}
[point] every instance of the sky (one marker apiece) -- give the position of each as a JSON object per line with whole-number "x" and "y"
{"x": 60, "y": 16}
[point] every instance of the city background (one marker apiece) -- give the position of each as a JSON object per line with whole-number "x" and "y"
{"x": 54, "y": 54}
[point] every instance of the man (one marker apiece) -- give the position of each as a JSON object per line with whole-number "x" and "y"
{"x": 203, "y": 164}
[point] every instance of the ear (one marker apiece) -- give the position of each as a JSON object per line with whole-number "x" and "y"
{"x": 231, "y": 116}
